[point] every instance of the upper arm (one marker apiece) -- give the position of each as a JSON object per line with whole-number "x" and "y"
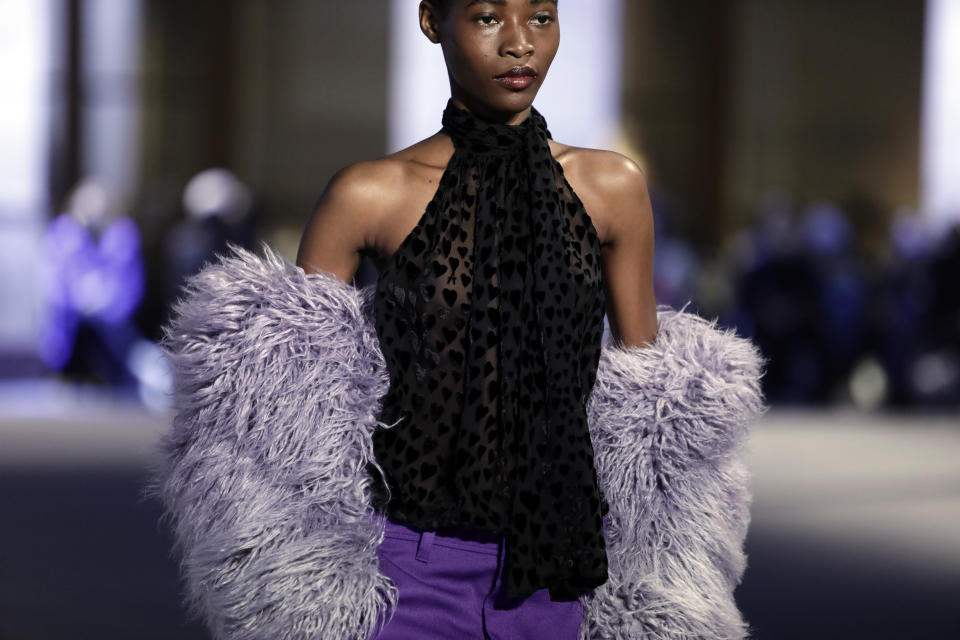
{"x": 628, "y": 256}
{"x": 343, "y": 222}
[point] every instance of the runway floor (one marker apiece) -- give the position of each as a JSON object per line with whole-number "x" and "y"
{"x": 854, "y": 529}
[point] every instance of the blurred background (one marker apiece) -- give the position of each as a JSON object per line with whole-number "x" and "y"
{"x": 803, "y": 159}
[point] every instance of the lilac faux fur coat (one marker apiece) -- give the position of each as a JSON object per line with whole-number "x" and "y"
{"x": 279, "y": 377}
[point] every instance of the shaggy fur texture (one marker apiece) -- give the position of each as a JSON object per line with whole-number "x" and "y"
{"x": 669, "y": 424}
{"x": 279, "y": 379}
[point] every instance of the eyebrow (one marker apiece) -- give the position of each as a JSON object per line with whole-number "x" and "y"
{"x": 503, "y": 3}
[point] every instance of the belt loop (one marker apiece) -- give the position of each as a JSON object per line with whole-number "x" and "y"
{"x": 424, "y": 546}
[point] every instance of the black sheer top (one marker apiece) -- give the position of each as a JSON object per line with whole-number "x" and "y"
{"x": 490, "y": 317}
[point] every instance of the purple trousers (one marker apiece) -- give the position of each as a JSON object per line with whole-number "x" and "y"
{"x": 450, "y": 584}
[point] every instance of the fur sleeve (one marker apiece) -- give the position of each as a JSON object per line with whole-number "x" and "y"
{"x": 669, "y": 423}
{"x": 262, "y": 474}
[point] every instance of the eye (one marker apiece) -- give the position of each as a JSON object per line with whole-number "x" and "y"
{"x": 481, "y": 19}
{"x": 543, "y": 18}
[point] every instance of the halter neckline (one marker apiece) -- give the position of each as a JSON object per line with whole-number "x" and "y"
{"x": 473, "y": 133}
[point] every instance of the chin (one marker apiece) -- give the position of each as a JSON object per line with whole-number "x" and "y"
{"x": 504, "y": 100}
{"x": 497, "y": 99}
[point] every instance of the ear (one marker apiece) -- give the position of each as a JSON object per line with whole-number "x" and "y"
{"x": 429, "y": 21}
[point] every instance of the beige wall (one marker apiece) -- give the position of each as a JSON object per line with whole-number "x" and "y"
{"x": 817, "y": 97}
{"x": 826, "y": 100}
{"x": 723, "y": 99}
{"x": 284, "y": 93}
{"x": 313, "y": 96}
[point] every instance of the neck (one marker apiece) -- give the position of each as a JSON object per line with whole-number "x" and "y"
{"x": 484, "y": 111}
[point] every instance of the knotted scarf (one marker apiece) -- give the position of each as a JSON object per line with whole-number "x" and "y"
{"x": 490, "y": 318}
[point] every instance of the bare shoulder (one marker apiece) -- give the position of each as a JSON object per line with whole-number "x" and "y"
{"x": 361, "y": 190}
{"x": 612, "y": 186}
{"x": 346, "y": 216}
{"x": 368, "y": 207}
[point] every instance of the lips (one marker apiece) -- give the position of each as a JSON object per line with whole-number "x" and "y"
{"x": 518, "y": 72}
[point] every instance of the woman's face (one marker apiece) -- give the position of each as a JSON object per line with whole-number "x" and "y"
{"x": 484, "y": 39}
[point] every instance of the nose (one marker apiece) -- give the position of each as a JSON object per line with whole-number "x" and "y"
{"x": 516, "y": 41}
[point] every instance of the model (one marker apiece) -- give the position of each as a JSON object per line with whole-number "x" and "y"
{"x": 456, "y": 451}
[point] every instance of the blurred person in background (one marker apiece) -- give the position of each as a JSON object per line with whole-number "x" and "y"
{"x": 676, "y": 267}
{"x": 842, "y": 293}
{"x": 219, "y": 210}
{"x": 935, "y": 374}
{"x": 778, "y": 304}
{"x": 92, "y": 278}
{"x": 901, "y": 304}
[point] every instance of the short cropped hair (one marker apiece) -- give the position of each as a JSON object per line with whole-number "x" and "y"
{"x": 442, "y": 7}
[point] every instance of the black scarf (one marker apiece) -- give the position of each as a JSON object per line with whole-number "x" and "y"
{"x": 502, "y": 272}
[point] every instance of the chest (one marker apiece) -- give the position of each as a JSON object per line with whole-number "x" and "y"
{"x": 492, "y": 272}
{"x": 420, "y": 187}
